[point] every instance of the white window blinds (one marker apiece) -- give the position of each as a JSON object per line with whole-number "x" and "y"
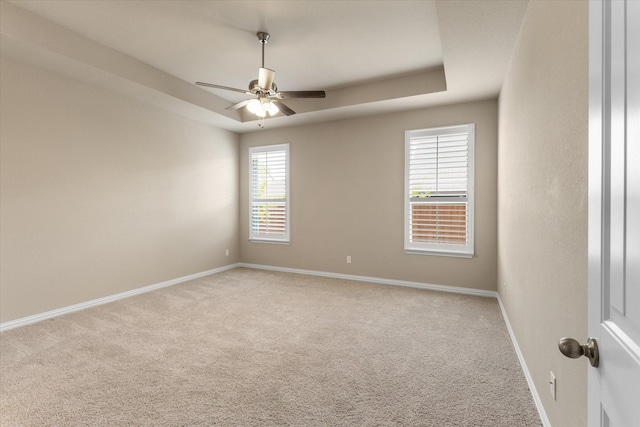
{"x": 439, "y": 190}
{"x": 269, "y": 193}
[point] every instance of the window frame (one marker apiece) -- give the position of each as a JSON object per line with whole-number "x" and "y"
{"x": 268, "y": 237}
{"x": 442, "y": 249}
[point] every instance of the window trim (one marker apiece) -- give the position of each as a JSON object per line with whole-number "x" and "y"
{"x": 266, "y": 238}
{"x": 441, "y": 249}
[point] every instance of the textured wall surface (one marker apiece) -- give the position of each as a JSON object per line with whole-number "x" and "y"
{"x": 347, "y": 180}
{"x": 102, "y": 194}
{"x": 542, "y": 199}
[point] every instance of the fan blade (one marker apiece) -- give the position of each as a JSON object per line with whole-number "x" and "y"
{"x": 224, "y": 87}
{"x": 265, "y": 78}
{"x": 239, "y": 105}
{"x": 283, "y": 108}
{"x": 302, "y": 94}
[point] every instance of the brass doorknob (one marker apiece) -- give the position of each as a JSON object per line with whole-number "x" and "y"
{"x": 573, "y": 349}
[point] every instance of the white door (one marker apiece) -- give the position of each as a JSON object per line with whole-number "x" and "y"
{"x": 614, "y": 211}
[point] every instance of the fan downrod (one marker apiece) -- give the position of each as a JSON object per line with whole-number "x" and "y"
{"x": 263, "y": 38}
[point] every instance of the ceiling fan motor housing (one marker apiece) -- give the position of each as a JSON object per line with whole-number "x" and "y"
{"x": 255, "y": 87}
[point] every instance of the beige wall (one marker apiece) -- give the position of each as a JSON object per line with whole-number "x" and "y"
{"x": 102, "y": 194}
{"x": 542, "y": 192}
{"x": 347, "y": 181}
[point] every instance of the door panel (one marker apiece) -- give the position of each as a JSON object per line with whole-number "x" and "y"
{"x": 633, "y": 166}
{"x": 614, "y": 211}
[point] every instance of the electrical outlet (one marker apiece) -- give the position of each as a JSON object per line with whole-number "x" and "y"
{"x": 348, "y": 259}
{"x": 552, "y": 385}
{"x": 226, "y": 252}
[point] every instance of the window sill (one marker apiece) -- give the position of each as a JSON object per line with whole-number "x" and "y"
{"x": 438, "y": 253}
{"x": 272, "y": 241}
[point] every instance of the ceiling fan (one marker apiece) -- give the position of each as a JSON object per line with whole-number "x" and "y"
{"x": 266, "y": 97}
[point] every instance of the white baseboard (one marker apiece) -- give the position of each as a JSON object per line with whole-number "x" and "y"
{"x": 5, "y": 326}
{"x": 523, "y": 364}
{"x": 454, "y": 289}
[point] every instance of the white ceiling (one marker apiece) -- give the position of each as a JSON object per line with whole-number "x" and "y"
{"x": 370, "y": 56}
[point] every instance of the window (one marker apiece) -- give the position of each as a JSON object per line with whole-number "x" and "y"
{"x": 439, "y": 191}
{"x": 269, "y": 193}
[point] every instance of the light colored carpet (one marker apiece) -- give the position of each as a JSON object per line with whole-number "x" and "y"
{"x": 259, "y": 348}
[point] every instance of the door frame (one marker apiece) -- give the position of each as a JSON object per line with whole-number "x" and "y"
{"x": 597, "y": 221}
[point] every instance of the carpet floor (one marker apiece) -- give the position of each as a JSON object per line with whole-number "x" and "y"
{"x": 259, "y": 348}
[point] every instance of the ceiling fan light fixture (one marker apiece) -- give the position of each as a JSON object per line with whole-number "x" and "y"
{"x": 260, "y": 113}
{"x": 261, "y": 106}
{"x": 265, "y": 105}
{"x": 253, "y": 106}
{"x": 274, "y": 109}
